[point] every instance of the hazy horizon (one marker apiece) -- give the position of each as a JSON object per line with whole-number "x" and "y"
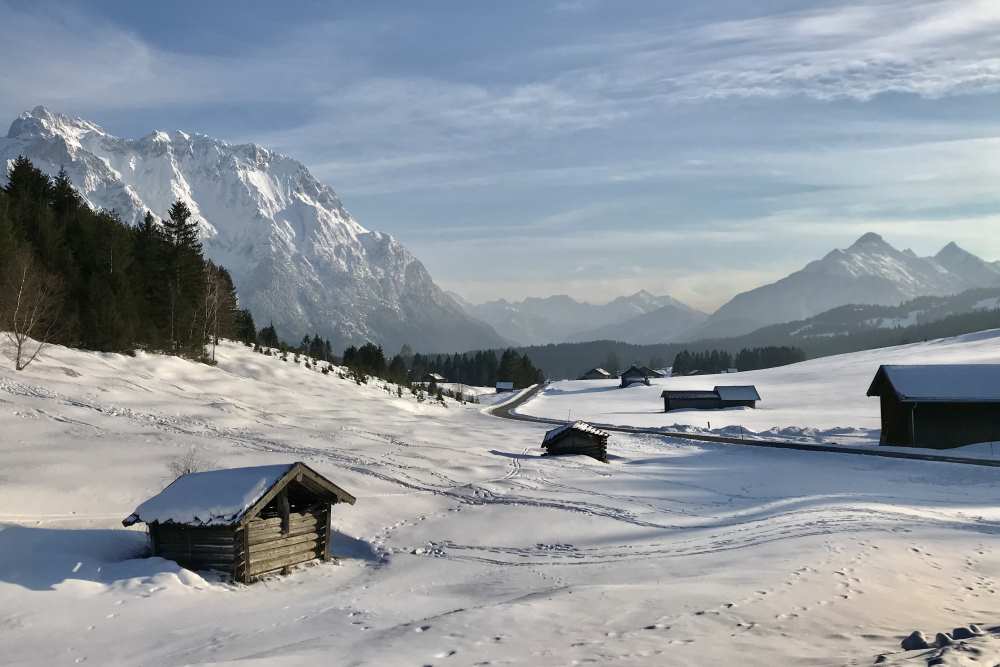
{"x": 571, "y": 147}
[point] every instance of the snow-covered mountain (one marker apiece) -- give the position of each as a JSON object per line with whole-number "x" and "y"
{"x": 561, "y": 318}
{"x": 869, "y": 272}
{"x": 297, "y": 256}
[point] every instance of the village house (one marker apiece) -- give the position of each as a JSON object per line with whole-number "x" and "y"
{"x": 720, "y": 397}
{"x": 434, "y": 378}
{"x": 577, "y": 438}
{"x": 938, "y": 406}
{"x": 244, "y": 522}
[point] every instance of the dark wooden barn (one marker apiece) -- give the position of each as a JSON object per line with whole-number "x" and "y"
{"x": 720, "y": 397}
{"x": 245, "y": 522}
{"x": 938, "y": 406}
{"x": 636, "y": 375}
{"x": 435, "y": 378}
{"x": 596, "y": 374}
{"x": 577, "y": 438}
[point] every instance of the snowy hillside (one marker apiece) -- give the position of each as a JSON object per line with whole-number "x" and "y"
{"x": 466, "y": 547}
{"x": 555, "y": 319}
{"x": 297, "y": 256}
{"x": 868, "y": 272}
{"x": 820, "y": 399}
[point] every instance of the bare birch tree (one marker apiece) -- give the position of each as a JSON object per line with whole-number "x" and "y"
{"x": 30, "y": 303}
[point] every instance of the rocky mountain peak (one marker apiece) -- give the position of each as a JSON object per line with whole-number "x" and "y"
{"x": 296, "y": 254}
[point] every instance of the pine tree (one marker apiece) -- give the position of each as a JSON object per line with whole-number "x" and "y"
{"x": 187, "y": 281}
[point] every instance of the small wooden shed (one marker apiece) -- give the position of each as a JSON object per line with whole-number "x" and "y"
{"x": 435, "y": 378}
{"x": 733, "y": 396}
{"x": 938, "y": 406}
{"x": 577, "y": 438}
{"x": 245, "y": 522}
{"x": 636, "y": 375}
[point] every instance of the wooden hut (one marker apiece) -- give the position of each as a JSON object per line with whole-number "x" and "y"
{"x": 435, "y": 378}
{"x": 596, "y": 374}
{"x": 734, "y": 396}
{"x": 577, "y": 438}
{"x": 938, "y": 406}
{"x": 635, "y": 375}
{"x": 245, "y": 522}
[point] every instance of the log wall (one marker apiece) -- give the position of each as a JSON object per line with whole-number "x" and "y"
{"x": 196, "y": 548}
{"x": 265, "y": 547}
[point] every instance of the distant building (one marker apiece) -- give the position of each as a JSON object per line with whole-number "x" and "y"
{"x": 577, "y": 438}
{"x": 637, "y": 375}
{"x": 651, "y": 373}
{"x": 596, "y": 374}
{"x": 938, "y": 406}
{"x": 504, "y": 386}
{"x": 720, "y": 397}
{"x": 433, "y": 377}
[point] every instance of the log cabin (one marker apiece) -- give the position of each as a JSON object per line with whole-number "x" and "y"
{"x": 938, "y": 405}
{"x": 733, "y": 396}
{"x": 244, "y": 522}
{"x": 577, "y": 438}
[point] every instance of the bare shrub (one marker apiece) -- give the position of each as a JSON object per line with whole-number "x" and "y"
{"x": 30, "y": 303}
{"x": 191, "y": 461}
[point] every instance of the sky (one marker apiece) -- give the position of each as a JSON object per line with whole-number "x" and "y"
{"x": 582, "y": 147}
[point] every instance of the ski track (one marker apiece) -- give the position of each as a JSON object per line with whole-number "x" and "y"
{"x": 703, "y": 531}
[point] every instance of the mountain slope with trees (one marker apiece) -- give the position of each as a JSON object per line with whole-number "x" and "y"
{"x": 84, "y": 278}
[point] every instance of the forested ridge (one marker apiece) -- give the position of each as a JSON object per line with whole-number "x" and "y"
{"x": 74, "y": 276}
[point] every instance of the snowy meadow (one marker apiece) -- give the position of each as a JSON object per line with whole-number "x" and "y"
{"x": 465, "y": 546}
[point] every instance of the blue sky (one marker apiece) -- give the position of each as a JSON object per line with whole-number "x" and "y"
{"x": 588, "y": 147}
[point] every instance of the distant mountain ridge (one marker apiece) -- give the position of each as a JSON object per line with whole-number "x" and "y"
{"x": 561, "y": 318}
{"x": 295, "y": 253}
{"x": 870, "y": 271}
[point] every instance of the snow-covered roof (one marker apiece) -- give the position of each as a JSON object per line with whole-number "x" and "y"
{"x": 688, "y": 393}
{"x": 737, "y": 393}
{"x": 582, "y": 427}
{"x": 222, "y": 497}
{"x": 435, "y": 376}
{"x": 965, "y": 383}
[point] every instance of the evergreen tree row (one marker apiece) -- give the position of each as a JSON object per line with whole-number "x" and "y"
{"x": 747, "y": 359}
{"x": 109, "y": 286}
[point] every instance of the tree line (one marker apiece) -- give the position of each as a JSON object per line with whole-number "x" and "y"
{"x": 484, "y": 368}
{"x": 747, "y": 359}
{"x": 74, "y": 276}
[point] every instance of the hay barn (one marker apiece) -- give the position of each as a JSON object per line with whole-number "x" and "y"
{"x": 245, "y": 522}
{"x": 577, "y": 438}
{"x": 938, "y": 406}
{"x": 720, "y": 397}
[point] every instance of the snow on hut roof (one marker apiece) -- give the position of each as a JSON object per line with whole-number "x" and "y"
{"x": 580, "y": 426}
{"x": 737, "y": 393}
{"x": 688, "y": 393}
{"x": 223, "y": 497}
{"x": 965, "y": 383}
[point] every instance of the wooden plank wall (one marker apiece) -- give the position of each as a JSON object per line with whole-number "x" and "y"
{"x": 205, "y": 548}
{"x": 268, "y": 548}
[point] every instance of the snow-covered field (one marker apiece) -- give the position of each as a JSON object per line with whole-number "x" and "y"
{"x": 465, "y": 547}
{"x": 818, "y": 400}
